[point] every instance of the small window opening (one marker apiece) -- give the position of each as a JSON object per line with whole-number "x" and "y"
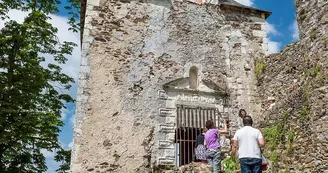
{"x": 193, "y": 77}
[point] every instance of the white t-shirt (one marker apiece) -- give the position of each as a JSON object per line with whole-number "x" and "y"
{"x": 248, "y": 145}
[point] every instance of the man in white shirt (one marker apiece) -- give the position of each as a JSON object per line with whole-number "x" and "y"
{"x": 248, "y": 141}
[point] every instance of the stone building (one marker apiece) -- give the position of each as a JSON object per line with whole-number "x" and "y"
{"x": 153, "y": 71}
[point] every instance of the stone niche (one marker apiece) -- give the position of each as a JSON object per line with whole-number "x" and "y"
{"x": 190, "y": 102}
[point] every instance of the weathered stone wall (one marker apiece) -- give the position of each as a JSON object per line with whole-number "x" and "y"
{"x": 131, "y": 49}
{"x": 297, "y": 78}
{"x": 311, "y": 17}
{"x": 194, "y": 167}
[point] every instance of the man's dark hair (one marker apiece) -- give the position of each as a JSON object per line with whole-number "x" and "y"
{"x": 209, "y": 124}
{"x": 247, "y": 121}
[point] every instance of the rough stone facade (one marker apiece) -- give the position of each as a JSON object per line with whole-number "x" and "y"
{"x": 194, "y": 167}
{"x": 131, "y": 50}
{"x": 297, "y": 78}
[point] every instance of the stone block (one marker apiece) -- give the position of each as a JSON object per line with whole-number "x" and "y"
{"x": 169, "y": 153}
{"x": 162, "y": 95}
{"x": 84, "y": 69}
{"x": 85, "y": 46}
{"x": 93, "y": 2}
{"x": 170, "y": 136}
{"x": 165, "y": 112}
{"x": 171, "y": 105}
{"x": 165, "y": 161}
{"x": 259, "y": 34}
{"x": 84, "y": 61}
{"x": 170, "y": 120}
{"x": 82, "y": 84}
{"x": 86, "y": 32}
{"x": 166, "y": 128}
{"x": 81, "y": 98}
{"x": 165, "y": 144}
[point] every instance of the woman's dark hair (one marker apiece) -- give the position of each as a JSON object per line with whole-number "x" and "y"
{"x": 209, "y": 124}
{"x": 240, "y": 111}
{"x": 247, "y": 121}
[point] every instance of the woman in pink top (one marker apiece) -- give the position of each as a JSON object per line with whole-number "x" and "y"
{"x": 212, "y": 142}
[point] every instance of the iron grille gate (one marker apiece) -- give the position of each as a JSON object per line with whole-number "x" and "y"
{"x": 190, "y": 121}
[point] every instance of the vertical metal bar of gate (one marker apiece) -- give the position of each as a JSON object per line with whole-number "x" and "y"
{"x": 183, "y": 135}
{"x": 214, "y": 116}
{"x": 177, "y": 149}
{"x": 180, "y": 143}
{"x": 199, "y": 119}
{"x": 192, "y": 133}
{"x": 206, "y": 115}
{"x": 188, "y": 135}
{"x": 203, "y": 117}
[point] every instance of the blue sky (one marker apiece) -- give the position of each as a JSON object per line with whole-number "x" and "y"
{"x": 280, "y": 26}
{"x": 282, "y": 19}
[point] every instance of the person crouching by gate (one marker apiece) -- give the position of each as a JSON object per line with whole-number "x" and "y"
{"x": 200, "y": 147}
{"x": 212, "y": 143}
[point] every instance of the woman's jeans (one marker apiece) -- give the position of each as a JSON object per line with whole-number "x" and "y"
{"x": 214, "y": 159}
{"x": 250, "y": 165}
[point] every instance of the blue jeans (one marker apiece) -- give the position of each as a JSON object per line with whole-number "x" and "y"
{"x": 250, "y": 165}
{"x": 213, "y": 158}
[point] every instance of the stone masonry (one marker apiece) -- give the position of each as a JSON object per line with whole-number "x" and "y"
{"x": 297, "y": 78}
{"x": 132, "y": 49}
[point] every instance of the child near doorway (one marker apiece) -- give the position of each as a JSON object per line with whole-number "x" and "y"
{"x": 200, "y": 147}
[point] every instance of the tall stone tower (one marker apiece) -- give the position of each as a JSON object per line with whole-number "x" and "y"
{"x": 153, "y": 71}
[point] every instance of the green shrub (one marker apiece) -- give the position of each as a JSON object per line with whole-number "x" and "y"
{"x": 259, "y": 68}
{"x": 229, "y": 164}
{"x": 304, "y": 114}
{"x": 273, "y": 136}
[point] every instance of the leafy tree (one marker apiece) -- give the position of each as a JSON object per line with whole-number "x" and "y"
{"x": 63, "y": 156}
{"x": 30, "y": 91}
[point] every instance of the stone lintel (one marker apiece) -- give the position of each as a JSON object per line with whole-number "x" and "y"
{"x": 166, "y": 161}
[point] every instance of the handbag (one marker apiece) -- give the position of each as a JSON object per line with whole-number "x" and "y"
{"x": 264, "y": 165}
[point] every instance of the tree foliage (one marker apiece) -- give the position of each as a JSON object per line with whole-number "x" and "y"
{"x": 63, "y": 156}
{"x": 30, "y": 88}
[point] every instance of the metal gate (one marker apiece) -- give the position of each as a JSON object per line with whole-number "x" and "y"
{"x": 190, "y": 122}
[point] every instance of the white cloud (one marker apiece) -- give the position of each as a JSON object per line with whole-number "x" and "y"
{"x": 271, "y": 29}
{"x": 273, "y": 46}
{"x": 66, "y": 112}
{"x": 295, "y": 31}
{"x": 72, "y": 119}
{"x": 63, "y": 113}
{"x": 70, "y": 145}
{"x": 246, "y": 2}
{"x": 47, "y": 154}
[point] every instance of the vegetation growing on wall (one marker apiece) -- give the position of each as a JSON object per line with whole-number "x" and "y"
{"x": 259, "y": 68}
{"x": 230, "y": 164}
{"x": 279, "y": 138}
